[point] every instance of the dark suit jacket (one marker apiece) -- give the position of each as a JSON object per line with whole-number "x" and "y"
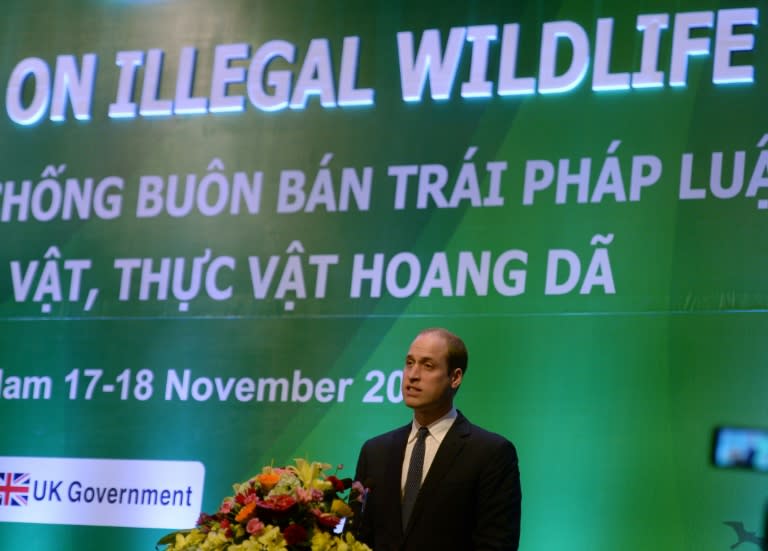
{"x": 470, "y": 499}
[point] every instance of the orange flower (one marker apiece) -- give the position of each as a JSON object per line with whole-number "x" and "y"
{"x": 245, "y": 512}
{"x": 268, "y": 480}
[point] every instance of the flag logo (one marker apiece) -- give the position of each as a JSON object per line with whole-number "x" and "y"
{"x": 14, "y": 489}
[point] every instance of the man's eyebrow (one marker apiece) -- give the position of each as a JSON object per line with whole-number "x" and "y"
{"x": 421, "y": 358}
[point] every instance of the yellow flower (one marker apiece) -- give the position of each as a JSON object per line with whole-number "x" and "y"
{"x": 339, "y": 508}
{"x": 321, "y": 541}
{"x": 190, "y": 541}
{"x": 322, "y": 485}
{"x": 272, "y": 539}
{"x": 308, "y": 472}
{"x": 355, "y": 545}
{"x": 251, "y": 544}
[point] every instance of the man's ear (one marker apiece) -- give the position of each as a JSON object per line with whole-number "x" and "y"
{"x": 456, "y": 377}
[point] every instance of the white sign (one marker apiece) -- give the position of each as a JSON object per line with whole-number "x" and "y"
{"x": 101, "y": 492}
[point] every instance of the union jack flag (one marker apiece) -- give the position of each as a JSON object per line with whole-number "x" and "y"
{"x": 14, "y": 489}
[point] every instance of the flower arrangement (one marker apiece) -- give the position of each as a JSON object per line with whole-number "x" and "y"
{"x": 294, "y": 508}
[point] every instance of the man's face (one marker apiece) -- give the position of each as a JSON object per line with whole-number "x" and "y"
{"x": 428, "y": 388}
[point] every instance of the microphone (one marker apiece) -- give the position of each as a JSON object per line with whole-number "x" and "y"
{"x": 368, "y": 485}
{"x": 361, "y": 507}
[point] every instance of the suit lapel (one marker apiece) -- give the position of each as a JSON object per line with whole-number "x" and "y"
{"x": 445, "y": 458}
{"x": 394, "y": 476}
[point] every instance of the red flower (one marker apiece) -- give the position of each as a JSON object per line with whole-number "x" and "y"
{"x": 278, "y": 504}
{"x": 246, "y": 496}
{"x": 204, "y": 519}
{"x": 327, "y": 520}
{"x": 294, "y": 533}
{"x": 337, "y": 484}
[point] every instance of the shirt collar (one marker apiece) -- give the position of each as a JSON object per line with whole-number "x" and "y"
{"x": 437, "y": 429}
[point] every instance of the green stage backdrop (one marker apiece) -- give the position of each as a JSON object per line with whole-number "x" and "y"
{"x": 221, "y": 224}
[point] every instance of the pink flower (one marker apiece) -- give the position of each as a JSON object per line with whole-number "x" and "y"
{"x": 358, "y": 490}
{"x": 254, "y": 526}
{"x": 304, "y": 495}
{"x": 226, "y": 507}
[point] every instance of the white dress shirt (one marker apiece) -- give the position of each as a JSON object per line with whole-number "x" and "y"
{"x": 437, "y": 432}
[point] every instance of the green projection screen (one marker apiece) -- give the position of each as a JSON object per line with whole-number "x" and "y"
{"x": 223, "y": 222}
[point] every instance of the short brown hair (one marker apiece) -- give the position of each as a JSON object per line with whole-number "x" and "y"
{"x": 458, "y": 357}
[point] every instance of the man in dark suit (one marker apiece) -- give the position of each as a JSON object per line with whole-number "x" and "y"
{"x": 453, "y": 486}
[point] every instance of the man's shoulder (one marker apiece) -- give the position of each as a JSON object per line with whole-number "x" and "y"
{"x": 387, "y": 437}
{"x": 479, "y": 434}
